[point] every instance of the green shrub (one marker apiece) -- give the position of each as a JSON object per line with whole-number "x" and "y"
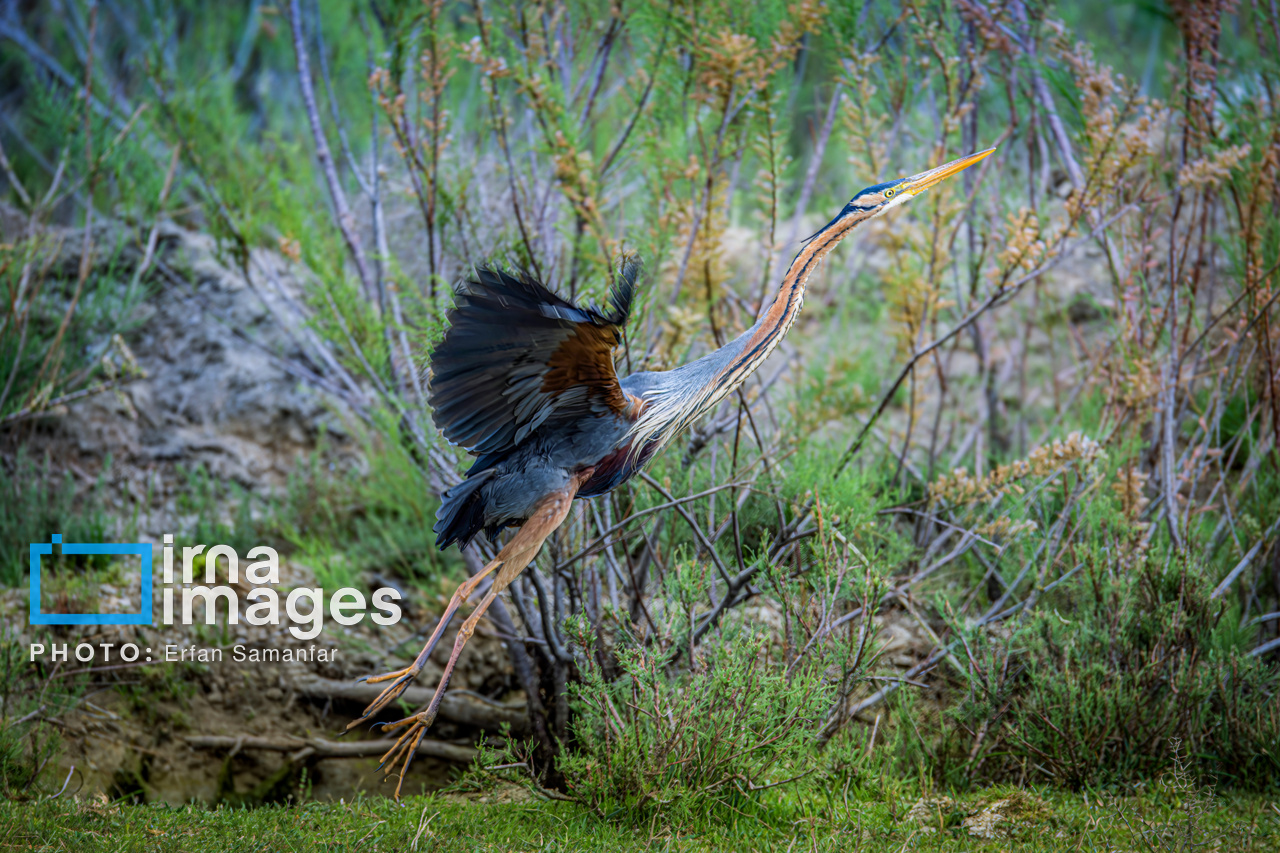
{"x": 35, "y": 504}
{"x": 27, "y": 742}
{"x": 1100, "y": 682}
{"x": 649, "y": 743}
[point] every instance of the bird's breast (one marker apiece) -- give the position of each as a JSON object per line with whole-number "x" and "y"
{"x": 614, "y": 469}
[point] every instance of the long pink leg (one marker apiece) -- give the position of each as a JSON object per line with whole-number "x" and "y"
{"x": 403, "y": 677}
{"x": 518, "y": 554}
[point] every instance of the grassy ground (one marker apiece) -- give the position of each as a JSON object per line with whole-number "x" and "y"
{"x": 1046, "y": 821}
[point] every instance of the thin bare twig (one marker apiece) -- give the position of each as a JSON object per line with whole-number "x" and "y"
{"x": 342, "y": 212}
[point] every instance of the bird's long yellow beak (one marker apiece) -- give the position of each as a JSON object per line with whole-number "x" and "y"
{"x": 921, "y": 182}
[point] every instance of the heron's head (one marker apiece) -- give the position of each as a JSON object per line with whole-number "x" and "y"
{"x": 875, "y": 200}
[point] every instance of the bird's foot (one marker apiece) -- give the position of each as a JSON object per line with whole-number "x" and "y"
{"x": 400, "y": 680}
{"x": 406, "y": 747}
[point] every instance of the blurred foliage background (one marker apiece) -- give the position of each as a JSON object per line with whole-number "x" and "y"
{"x": 1029, "y": 419}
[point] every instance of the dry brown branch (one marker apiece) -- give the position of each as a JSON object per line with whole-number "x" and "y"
{"x": 465, "y": 708}
{"x": 342, "y": 211}
{"x": 1246, "y": 560}
{"x": 321, "y": 748}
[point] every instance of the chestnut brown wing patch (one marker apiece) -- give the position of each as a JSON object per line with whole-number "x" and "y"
{"x": 585, "y": 358}
{"x": 517, "y": 356}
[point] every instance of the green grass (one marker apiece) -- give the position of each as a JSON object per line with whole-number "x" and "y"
{"x": 865, "y": 822}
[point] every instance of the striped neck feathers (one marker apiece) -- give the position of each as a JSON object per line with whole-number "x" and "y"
{"x": 690, "y": 391}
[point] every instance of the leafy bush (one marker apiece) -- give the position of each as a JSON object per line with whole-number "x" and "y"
{"x": 27, "y": 743}
{"x": 34, "y": 504}
{"x": 648, "y": 743}
{"x": 1099, "y": 684}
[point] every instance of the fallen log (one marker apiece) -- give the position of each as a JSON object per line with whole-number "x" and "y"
{"x": 464, "y": 707}
{"x": 319, "y": 747}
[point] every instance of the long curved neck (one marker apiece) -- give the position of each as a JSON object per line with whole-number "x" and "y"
{"x": 683, "y": 395}
{"x": 770, "y": 327}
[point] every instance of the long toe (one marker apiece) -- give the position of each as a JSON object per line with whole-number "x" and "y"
{"x": 389, "y": 694}
{"x": 405, "y": 749}
{"x": 392, "y": 755}
{"x": 407, "y": 672}
{"x": 411, "y": 749}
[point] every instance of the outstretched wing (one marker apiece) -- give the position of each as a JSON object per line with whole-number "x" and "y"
{"x": 517, "y": 356}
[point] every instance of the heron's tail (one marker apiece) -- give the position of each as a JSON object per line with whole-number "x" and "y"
{"x": 461, "y": 513}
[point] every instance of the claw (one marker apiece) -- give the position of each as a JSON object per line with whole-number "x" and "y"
{"x": 391, "y": 727}
{"x": 416, "y": 726}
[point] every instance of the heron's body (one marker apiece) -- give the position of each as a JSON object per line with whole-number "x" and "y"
{"x": 504, "y": 491}
{"x": 502, "y": 319}
{"x": 525, "y": 381}
{"x": 502, "y": 488}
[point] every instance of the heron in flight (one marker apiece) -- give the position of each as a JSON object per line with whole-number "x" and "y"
{"x": 525, "y": 381}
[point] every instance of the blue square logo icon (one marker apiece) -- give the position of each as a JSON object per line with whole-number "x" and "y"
{"x": 142, "y": 549}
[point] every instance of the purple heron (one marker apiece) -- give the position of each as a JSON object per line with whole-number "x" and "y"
{"x": 525, "y": 381}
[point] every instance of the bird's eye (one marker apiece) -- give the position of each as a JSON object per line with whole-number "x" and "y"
{"x": 889, "y": 193}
